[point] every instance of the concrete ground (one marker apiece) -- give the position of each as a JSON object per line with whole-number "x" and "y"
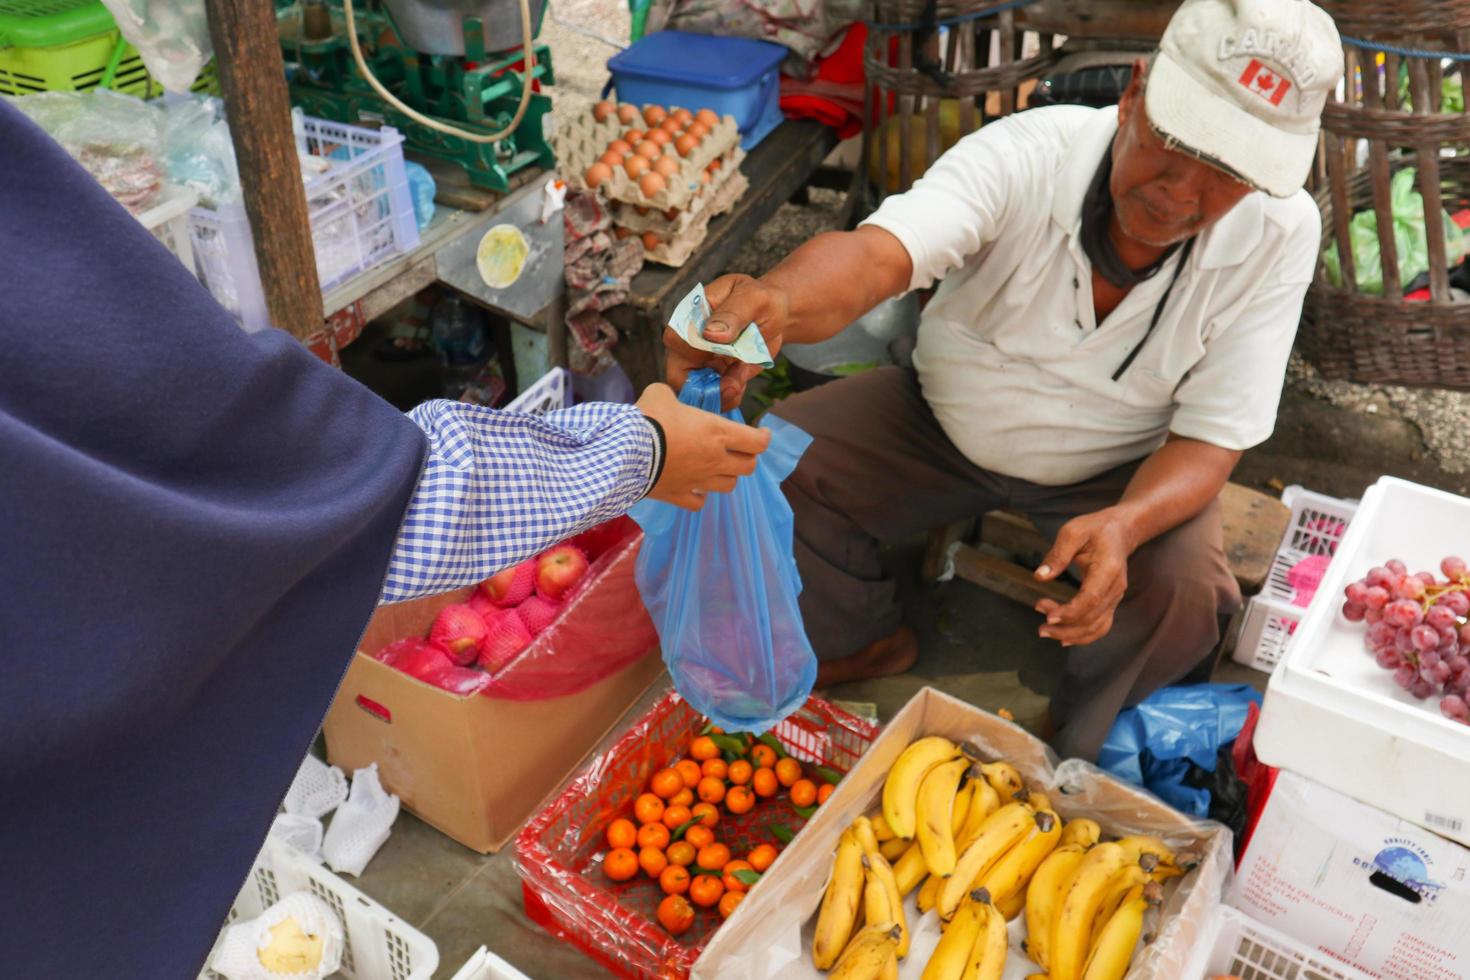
{"x": 1333, "y": 437}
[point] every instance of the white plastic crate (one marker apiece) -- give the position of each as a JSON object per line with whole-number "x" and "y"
{"x": 485, "y": 965}
{"x": 168, "y": 220}
{"x": 1244, "y": 948}
{"x": 360, "y": 209}
{"x": 553, "y": 390}
{"x": 1332, "y": 715}
{"x": 1317, "y": 525}
{"x": 379, "y": 945}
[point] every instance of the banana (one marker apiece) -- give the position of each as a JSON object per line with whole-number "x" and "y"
{"x": 839, "y": 909}
{"x": 1013, "y": 906}
{"x": 1140, "y": 845}
{"x": 935, "y": 812}
{"x": 1113, "y": 951}
{"x": 1039, "y": 800}
{"x": 862, "y": 829}
{"x": 895, "y": 848}
{"x": 910, "y": 869}
{"x": 879, "y": 870}
{"x": 868, "y": 954}
{"x": 1000, "y": 832}
{"x": 1005, "y": 779}
{"x": 1044, "y": 897}
{"x": 881, "y": 830}
{"x": 1012, "y": 873}
{"x": 1071, "y": 932}
{"x": 1081, "y": 831}
{"x": 984, "y": 794}
{"x": 890, "y": 968}
{"x": 1119, "y": 886}
{"x": 929, "y": 894}
{"x": 988, "y": 958}
{"x": 961, "y": 808}
{"x": 951, "y": 958}
{"x": 901, "y": 788}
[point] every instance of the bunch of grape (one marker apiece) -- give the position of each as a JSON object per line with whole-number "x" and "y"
{"x": 1417, "y": 628}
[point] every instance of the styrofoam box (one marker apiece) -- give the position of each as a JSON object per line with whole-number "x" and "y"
{"x": 485, "y": 965}
{"x": 1333, "y": 715}
{"x": 1242, "y": 947}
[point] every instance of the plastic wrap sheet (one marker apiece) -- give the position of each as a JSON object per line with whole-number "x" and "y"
{"x": 172, "y": 36}
{"x": 769, "y": 934}
{"x": 559, "y": 852}
{"x": 116, "y": 137}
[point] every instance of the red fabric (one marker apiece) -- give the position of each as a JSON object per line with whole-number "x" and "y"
{"x": 834, "y": 94}
{"x": 1258, "y": 777}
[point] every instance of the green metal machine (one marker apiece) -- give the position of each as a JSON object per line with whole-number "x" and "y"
{"x": 457, "y": 62}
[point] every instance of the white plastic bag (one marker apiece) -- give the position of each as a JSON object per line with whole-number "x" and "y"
{"x": 172, "y": 36}
{"x": 239, "y": 951}
{"x": 361, "y": 825}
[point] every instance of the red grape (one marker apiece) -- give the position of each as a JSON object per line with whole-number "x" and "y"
{"x": 1357, "y": 592}
{"x": 1409, "y": 587}
{"x": 1426, "y": 638}
{"x": 1404, "y": 612}
{"x": 1353, "y": 612}
{"x": 1453, "y": 706}
{"x": 1380, "y": 576}
{"x": 1395, "y": 566}
{"x": 1457, "y": 602}
{"x": 1440, "y": 617}
{"x": 1453, "y": 567}
{"x": 1377, "y": 597}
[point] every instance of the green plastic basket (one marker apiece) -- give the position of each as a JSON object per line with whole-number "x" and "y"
{"x": 72, "y": 46}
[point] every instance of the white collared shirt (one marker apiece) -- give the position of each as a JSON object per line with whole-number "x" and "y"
{"x": 1010, "y": 356}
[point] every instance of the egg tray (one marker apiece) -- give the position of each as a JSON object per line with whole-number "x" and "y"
{"x": 585, "y": 140}
{"x": 677, "y": 250}
{"x": 717, "y": 198}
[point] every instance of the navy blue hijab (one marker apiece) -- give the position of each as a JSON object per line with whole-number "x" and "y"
{"x": 194, "y": 527}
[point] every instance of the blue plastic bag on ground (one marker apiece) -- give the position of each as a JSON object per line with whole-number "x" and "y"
{"x": 1155, "y": 743}
{"x": 721, "y": 586}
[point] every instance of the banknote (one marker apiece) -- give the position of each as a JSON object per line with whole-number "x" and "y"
{"x": 689, "y": 320}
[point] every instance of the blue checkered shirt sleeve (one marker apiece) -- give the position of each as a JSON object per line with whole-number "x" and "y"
{"x": 498, "y": 487}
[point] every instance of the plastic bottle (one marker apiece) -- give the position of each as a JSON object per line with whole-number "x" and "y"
{"x": 457, "y": 331}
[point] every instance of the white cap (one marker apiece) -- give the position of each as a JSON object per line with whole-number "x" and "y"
{"x": 1243, "y": 83}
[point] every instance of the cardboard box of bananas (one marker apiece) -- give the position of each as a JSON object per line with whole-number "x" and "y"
{"x": 958, "y": 848}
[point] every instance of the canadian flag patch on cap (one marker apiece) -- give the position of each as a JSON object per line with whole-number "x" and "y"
{"x": 1269, "y": 85}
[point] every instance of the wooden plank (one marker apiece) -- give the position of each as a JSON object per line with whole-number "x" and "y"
{"x": 880, "y": 123}
{"x": 905, "y": 113}
{"x": 1014, "y": 534}
{"x": 1008, "y": 38}
{"x": 1254, "y": 526}
{"x": 936, "y": 548}
{"x": 1428, "y": 167}
{"x": 1337, "y": 177}
{"x": 1110, "y": 19}
{"x": 1381, "y": 178}
{"x": 968, "y": 121}
{"x": 1006, "y": 578}
{"x": 252, "y": 76}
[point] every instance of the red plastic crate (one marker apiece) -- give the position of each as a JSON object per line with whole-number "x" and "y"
{"x": 559, "y": 853}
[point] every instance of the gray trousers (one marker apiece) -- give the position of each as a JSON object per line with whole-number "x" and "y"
{"x": 880, "y": 469}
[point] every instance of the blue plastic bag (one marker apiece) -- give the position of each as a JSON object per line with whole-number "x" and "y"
{"x": 721, "y": 587}
{"x": 1154, "y": 744}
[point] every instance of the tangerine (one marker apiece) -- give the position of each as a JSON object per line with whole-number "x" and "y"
{"x": 803, "y": 792}
{"x": 666, "y": 782}
{"x": 708, "y": 813}
{"x": 740, "y": 772}
{"x": 676, "y": 914}
{"x": 677, "y": 816}
{"x": 653, "y": 835}
{"x": 653, "y": 861}
{"x": 621, "y": 833}
{"x": 648, "y": 808}
{"x": 764, "y": 782}
{"x": 699, "y": 835}
{"x": 788, "y": 771}
{"x": 762, "y": 856}
{"x": 728, "y": 901}
{"x": 706, "y": 890}
{"x": 763, "y": 756}
{"x": 712, "y": 790}
{"x": 620, "y": 864}
{"x": 732, "y": 883}
{"x": 739, "y": 799}
{"x": 681, "y": 852}
{"x": 674, "y": 880}
{"x": 714, "y": 769}
{"x": 703, "y": 748}
{"x": 824, "y": 792}
{"x": 713, "y": 857}
{"x": 685, "y": 797}
{"x": 689, "y": 770}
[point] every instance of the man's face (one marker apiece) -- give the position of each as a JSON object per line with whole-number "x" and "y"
{"x": 1162, "y": 195}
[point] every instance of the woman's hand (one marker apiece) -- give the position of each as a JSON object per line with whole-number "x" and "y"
{"x": 703, "y": 452}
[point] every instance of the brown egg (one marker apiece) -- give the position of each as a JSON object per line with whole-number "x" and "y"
{"x": 651, "y": 241}
{"x": 627, "y": 113}
{"x": 602, "y": 110}
{"x": 612, "y": 158}
{"x": 686, "y": 145}
{"x": 640, "y": 208}
{"x": 708, "y": 117}
{"x": 659, "y": 136}
{"x": 667, "y": 166}
{"x": 633, "y": 136}
{"x": 620, "y": 146}
{"x": 597, "y": 173}
{"x": 704, "y": 177}
{"x": 651, "y": 184}
{"x": 636, "y": 166}
{"x": 654, "y": 115}
{"x": 620, "y": 232}
{"x": 684, "y": 116}
{"x": 671, "y": 126}
{"x": 649, "y": 149}
{"x": 714, "y": 165}
{"x": 671, "y": 213}
{"x": 698, "y": 130}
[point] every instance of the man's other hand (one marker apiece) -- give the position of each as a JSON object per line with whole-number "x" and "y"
{"x": 703, "y": 452}
{"x": 1098, "y": 544}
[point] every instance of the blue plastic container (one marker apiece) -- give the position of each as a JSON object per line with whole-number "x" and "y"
{"x": 732, "y": 75}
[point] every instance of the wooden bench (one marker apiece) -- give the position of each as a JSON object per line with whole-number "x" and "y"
{"x": 1254, "y": 525}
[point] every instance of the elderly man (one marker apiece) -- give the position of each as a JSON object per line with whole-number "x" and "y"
{"x": 1119, "y": 290}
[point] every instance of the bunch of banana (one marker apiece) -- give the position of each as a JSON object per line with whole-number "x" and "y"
{"x": 973, "y": 946}
{"x": 862, "y": 888}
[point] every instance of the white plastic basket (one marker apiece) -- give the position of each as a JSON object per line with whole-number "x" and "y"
{"x": 168, "y": 220}
{"x": 1247, "y": 949}
{"x": 485, "y": 965}
{"x": 360, "y": 209}
{"x": 379, "y": 945}
{"x": 1318, "y": 523}
{"x": 552, "y": 391}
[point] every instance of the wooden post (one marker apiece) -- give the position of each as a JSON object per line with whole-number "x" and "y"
{"x": 252, "y": 76}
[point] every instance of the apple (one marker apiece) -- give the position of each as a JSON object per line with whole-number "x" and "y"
{"x": 558, "y": 570}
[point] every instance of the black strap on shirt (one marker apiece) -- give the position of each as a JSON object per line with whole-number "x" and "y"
{"x": 1158, "y": 310}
